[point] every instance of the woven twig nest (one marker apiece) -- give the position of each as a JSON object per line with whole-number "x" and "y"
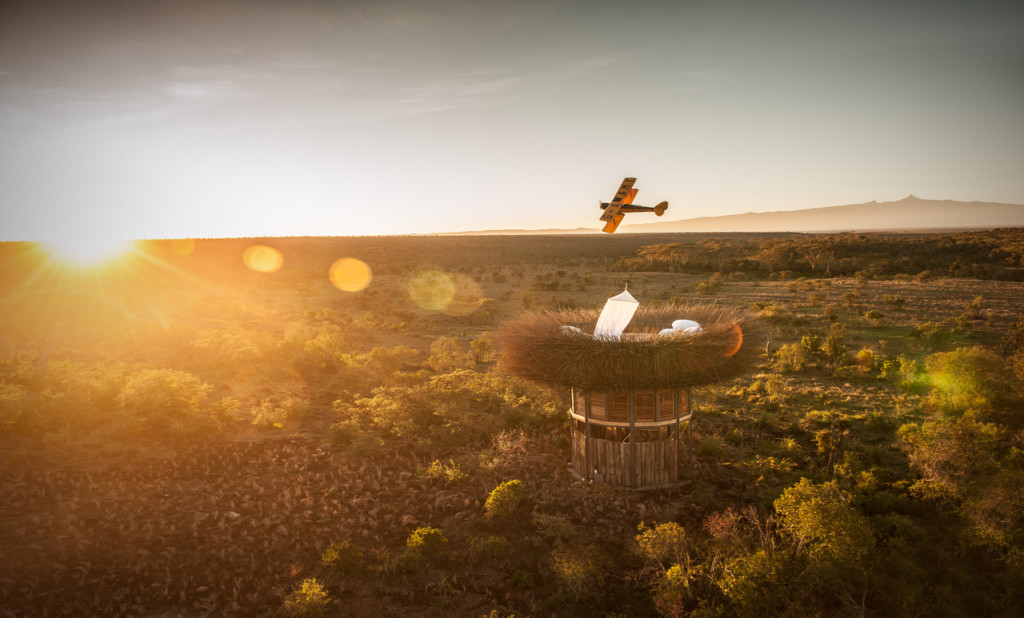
{"x": 536, "y": 347}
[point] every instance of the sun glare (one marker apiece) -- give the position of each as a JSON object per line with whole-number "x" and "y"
{"x": 87, "y": 250}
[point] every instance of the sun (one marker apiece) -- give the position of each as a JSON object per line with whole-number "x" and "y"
{"x": 87, "y": 250}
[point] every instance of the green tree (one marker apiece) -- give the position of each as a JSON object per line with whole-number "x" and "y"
{"x": 823, "y": 523}
{"x": 951, "y": 454}
{"x": 483, "y": 347}
{"x": 965, "y": 378}
{"x": 834, "y": 346}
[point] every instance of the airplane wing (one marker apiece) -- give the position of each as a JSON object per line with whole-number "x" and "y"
{"x": 613, "y": 224}
{"x": 624, "y": 195}
{"x": 625, "y": 192}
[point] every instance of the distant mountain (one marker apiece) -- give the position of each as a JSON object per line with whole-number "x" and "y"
{"x": 910, "y": 213}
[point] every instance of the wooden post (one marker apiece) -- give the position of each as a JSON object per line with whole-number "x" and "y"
{"x": 631, "y": 407}
{"x": 675, "y": 453}
{"x": 589, "y": 472}
{"x": 689, "y": 429}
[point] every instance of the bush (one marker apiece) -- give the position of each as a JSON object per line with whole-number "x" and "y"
{"x": 834, "y": 346}
{"x": 865, "y": 360}
{"x": 823, "y": 522}
{"x": 929, "y": 332}
{"x": 172, "y": 401}
{"x": 310, "y": 599}
{"x": 428, "y": 541}
{"x": 811, "y": 343}
{"x": 490, "y": 547}
{"x": 450, "y": 473}
{"x": 447, "y": 354}
{"x": 577, "y": 571}
{"x": 791, "y": 357}
{"x": 966, "y": 378}
{"x": 900, "y": 370}
{"x": 665, "y": 544}
{"x": 343, "y": 558}
{"x": 504, "y": 499}
{"x": 276, "y": 411}
{"x": 874, "y": 316}
{"x": 950, "y": 454}
{"x": 712, "y": 446}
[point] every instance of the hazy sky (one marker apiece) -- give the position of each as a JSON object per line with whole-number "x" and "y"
{"x": 249, "y": 118}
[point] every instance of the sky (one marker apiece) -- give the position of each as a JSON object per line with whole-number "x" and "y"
{"x": 232, "y": 118}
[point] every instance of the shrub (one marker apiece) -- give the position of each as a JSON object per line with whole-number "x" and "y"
{"x": 712, "y": 446}
{"x": 865, "y": 359}
{"x": 929, "y": 332}
{"x": 508, "y": 449}
{"x": 900, "y": 370}
{"x": 577, "y": 571}
{"x": 823, "y": 522}
{"x": 504, "y": 499}
{"x": 226, "y": 348}
{"x": 834, "y": 346}
{"x": 668, "y": 547}
{"x": 483, "y": 348}
{"x": 665, "y": 544}
{"x": 449, "y": 473}
{"x": 310, "y": 599}
{"x": 276, "y": 411}
{"x": 343, "y": 558}
{"x": 171, "y": 400}
{"x": 490, "y": 547}
{"x": 965, "y": 378}
{"x": 951, "y": 453}
{"x": 896, "y": 302}
{"x": 811, "y": 343}
{"x": 712, "y": 285}
{"x": 427, "y": 541}
{"x": 447, "y": 354}
{"x": 791, "y": 357}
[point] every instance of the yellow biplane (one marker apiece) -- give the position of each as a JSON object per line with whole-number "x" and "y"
{"x": 622, "y": 203}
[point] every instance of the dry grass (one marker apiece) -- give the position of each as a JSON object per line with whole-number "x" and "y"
{"x": 730, "y": 344}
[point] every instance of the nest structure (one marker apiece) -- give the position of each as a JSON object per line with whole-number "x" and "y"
{"x": 536, "y": 347}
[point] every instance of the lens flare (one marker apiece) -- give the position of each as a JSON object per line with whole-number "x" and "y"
{"x": 350, "y": 275}
{"x": 432, "y": 290}
{"x": 735, "y": 341}
{"x": 262, "y": 258}
{"x": 466, "y": 297}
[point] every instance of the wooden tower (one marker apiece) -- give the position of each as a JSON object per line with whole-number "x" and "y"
{"x": 631, "y": 439}
{"x": 631, "y": 392}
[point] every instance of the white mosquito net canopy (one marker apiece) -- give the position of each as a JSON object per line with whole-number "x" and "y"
{"x": 617, "y": 312}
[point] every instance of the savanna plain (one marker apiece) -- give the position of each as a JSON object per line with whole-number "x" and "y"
{"x": 251, "y": 427}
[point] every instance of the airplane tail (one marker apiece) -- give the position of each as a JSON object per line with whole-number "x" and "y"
{"x": 661, "y": 208}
